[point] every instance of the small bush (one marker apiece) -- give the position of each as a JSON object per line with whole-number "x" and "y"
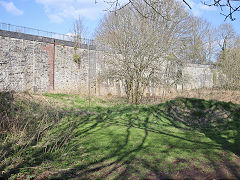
{"x": 109, "y": 95}
{"x": 147, "y": 94}
{"x": 76, "y": 58}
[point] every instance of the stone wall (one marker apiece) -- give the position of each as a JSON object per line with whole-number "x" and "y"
{"x": 195, "y": 76}
{"x": 24, "y": 65}
{"x": 198, "y": 76}
{"x": 40, "y": 64}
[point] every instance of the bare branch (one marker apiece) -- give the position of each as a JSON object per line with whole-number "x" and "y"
{"x": 225, "y": 4}
{"x": 222, "y": 4}
{"x": 187, "y": 4}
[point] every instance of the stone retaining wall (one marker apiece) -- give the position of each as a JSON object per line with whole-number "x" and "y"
{"x": 41, "y": 64}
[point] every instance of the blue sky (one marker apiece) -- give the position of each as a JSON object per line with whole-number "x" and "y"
{"x": 58, "y": 15}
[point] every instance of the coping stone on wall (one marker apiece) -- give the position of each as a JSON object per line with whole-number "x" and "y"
{"x": 30, "y": 37}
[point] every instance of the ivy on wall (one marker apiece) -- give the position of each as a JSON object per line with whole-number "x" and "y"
{"x": 76, "y": 57}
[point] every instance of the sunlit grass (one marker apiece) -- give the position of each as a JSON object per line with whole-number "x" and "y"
{"x": 112, "y": 139}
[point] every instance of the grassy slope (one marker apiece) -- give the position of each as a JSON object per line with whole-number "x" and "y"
{"x": 178, "y": 139}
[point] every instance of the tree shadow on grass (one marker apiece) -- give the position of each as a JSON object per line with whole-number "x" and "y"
{"x": 219, "y": 121}
{"x": 122, "y": 155}
{"x": 119, "y": 164}
{"x": 132, "y": 132}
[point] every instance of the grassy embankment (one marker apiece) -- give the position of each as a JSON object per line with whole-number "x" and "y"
{"x": 57, "y": 136}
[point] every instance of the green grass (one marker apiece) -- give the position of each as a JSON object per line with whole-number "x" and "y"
{"x": 181, "y": 138}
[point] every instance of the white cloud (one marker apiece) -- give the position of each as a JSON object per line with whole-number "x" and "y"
{"x": 11, "y": 8}
{"x": 57, "y": 10}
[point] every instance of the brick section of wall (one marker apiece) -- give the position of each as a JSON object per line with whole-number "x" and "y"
{"x": 51, "y": 51}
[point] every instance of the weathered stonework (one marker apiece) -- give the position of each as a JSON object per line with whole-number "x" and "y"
{"x": 39, "y": 64}
{"x": 199, "y": 76}
{"x": 23, "y": 65}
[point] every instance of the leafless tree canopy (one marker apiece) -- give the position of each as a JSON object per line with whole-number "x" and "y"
{"x": 148, "y": 49}
{"x": 228, "y": 59}
{"x": 78, "y": 31}
{"x": 152, "y": 51}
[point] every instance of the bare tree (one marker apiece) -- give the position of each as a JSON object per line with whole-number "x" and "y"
{"x": 130, "y": 37}
{"x": 229, "y": 57}
{"x": 198, "y": 40}
{"x": 229, "y": 63}
{"x": 226, "y": 36}
{"x": 78, "y": 32}
{"x": 143, "y": 45}
{"x": 211, "y": 47}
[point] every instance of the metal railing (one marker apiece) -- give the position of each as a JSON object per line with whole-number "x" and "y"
{"x": 37, "y": 32}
